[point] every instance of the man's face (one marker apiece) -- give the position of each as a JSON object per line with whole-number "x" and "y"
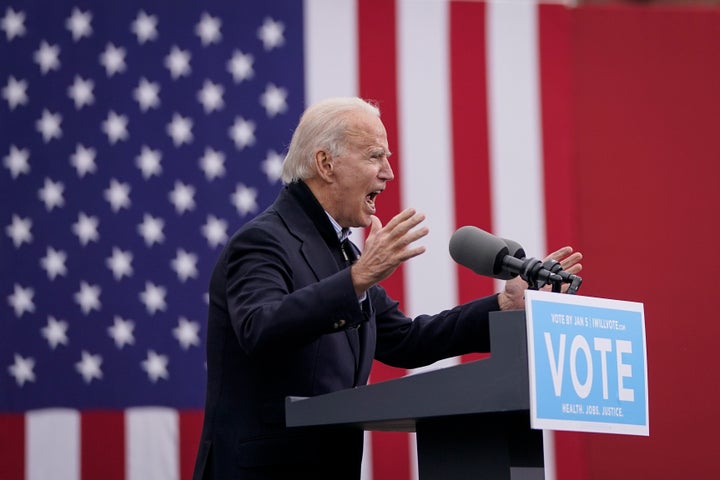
{"x": 361, "y": 172}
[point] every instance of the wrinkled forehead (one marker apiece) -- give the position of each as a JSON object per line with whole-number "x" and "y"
{"x": 366, "y": 131}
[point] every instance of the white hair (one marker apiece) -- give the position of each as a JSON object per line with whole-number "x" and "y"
{"x": 323, "y": 126}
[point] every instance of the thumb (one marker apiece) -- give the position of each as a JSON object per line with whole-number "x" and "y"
{"x": 375, "y": 225}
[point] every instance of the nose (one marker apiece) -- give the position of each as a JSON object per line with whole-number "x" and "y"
{"x": 386, "y": 171}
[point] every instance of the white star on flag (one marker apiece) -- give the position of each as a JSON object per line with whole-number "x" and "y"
{"x": 185, "y": 265}
{"x": 17, "y": 161}
{"x": 83, "y": 159}
{"x": 86, "y": 229}
{"x": 151, "y": 229}
{"x": 22, "y": 370}
{"x": 180, "y": 129}
{"x": 215, "y": 231}
{"x": 240, "y": 66}
{"x": 272, "y": 166}
{"x": 21, "y": 300}
{"x": 147, "y": 94}
{"x": 211, "y": 96}
{"x": 49, "y": 125}
{"x": 208, "y": 29}
{"x": 113, "y": 59}
{"x": 149, "y": 162}
{"x": 118, "y": 195}
{"x": 47, "y": 57}
{"x": 15, "y": 92}
{"x": 81, "y": 91}
{"x": 178, "y": 62}
{"x": 122, "y": 332}
{"x": 89, "y": 367}
{"x": 274, "y": 100}
{"x": 19, "y": 230}
{"x": 54, "y": 263}
{"x": 79, "y": 24}
{"x": 245, "y": 199}
{"x": 52, "y": 194}
{"x": 187, "y": 333}
{"x": 213, "y": 163}
{"x": 144, "y": 27}
{"x": 88, "y": 297}
{"x": 55, "y": 332}
{"x": 13, "y": 23}
{"x": 120, "y": 263}
{"x": 156, "y": 366}
{"x": 115, "y": 127}
{"x": 153, "y": 297}
{"x": 242, "y": 132}
{"x": 182, "y": 197}
{"x": 271, "y": 34}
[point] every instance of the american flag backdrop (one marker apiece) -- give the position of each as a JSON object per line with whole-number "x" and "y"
{"x": 136, "y": 136}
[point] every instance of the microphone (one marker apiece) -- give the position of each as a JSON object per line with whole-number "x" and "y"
{"x": 490, "y": 256}
{"x": 515, "y": 249}
{"x": 481, "y": 252}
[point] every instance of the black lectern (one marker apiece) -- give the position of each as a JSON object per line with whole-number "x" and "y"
{"x": 472, "y": 420}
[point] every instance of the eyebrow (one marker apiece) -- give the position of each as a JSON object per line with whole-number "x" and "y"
{"x": 376, "y": 150}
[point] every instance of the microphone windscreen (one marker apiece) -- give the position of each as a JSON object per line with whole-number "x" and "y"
{"x": 514, "y": 248}
{"x": 480, "y": 251}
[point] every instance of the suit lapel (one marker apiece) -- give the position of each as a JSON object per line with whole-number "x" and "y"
{"x": 315, "y": 251}
{"x": 313, "y": 247}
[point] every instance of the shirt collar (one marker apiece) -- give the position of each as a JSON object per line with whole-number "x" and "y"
{"x": 342, "y": 233}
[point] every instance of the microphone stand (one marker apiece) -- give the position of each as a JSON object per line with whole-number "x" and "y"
{"x": 533, "y": 271}
{"x": 574, "y": 281}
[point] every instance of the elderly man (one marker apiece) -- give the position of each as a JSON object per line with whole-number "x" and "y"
{"x": 296, "y": 310}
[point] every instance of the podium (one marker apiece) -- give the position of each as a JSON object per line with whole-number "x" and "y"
{"x": 472, "y": 420}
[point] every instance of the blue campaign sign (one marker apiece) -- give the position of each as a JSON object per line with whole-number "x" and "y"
{"x": 587, "y": 364}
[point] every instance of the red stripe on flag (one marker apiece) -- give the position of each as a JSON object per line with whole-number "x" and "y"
{"x": 378, "y": 81}
{"x": 377, "y": 59}
{"x": 555, "y": 96}
{"x": 190, "y": 428}
{"x": 102, "y": 437}
{"x": 471, "y": 158}
{"x": 554, "y": 41}
{"x": 12, "y": 446}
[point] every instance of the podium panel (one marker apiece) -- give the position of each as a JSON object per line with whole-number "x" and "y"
{"x": 472, "y": 420}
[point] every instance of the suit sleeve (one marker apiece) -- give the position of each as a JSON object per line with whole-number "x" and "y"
{"x": 273, "y": 303}
{"x": 410, "y": 343}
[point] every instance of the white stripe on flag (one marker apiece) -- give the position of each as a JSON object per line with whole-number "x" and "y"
{"x": 151, "y": 443}
{"x": 426, "y": 166}
{"x": 366, "y": 472}
{"x": 331, "y": 56}
{"x": 518, "y": 204}
{"x": 52, "y": 444}
{"x": 515, "y": 136}
{"x": 331, "y": 66}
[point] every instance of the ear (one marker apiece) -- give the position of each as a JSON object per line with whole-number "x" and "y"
{"x": 324, "y": 164}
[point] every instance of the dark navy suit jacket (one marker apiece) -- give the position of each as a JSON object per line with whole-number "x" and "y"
{"x": 284, "y": 320}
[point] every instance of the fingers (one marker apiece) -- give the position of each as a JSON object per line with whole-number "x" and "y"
{"x": 400, "y": 217}
{"x": 396, "y": 237}
{"x": 375, "y": 224}
{"x": 400, "y": 230}
{"x": 569, "y": 260}
{"x": 405, "y": 221}
{"x": 386, "y": 247}
{"x": 559, "y": 254}
{"x": 572, "y": 264}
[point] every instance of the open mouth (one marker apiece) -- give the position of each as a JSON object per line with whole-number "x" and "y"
{"x": 370, "y": 199}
